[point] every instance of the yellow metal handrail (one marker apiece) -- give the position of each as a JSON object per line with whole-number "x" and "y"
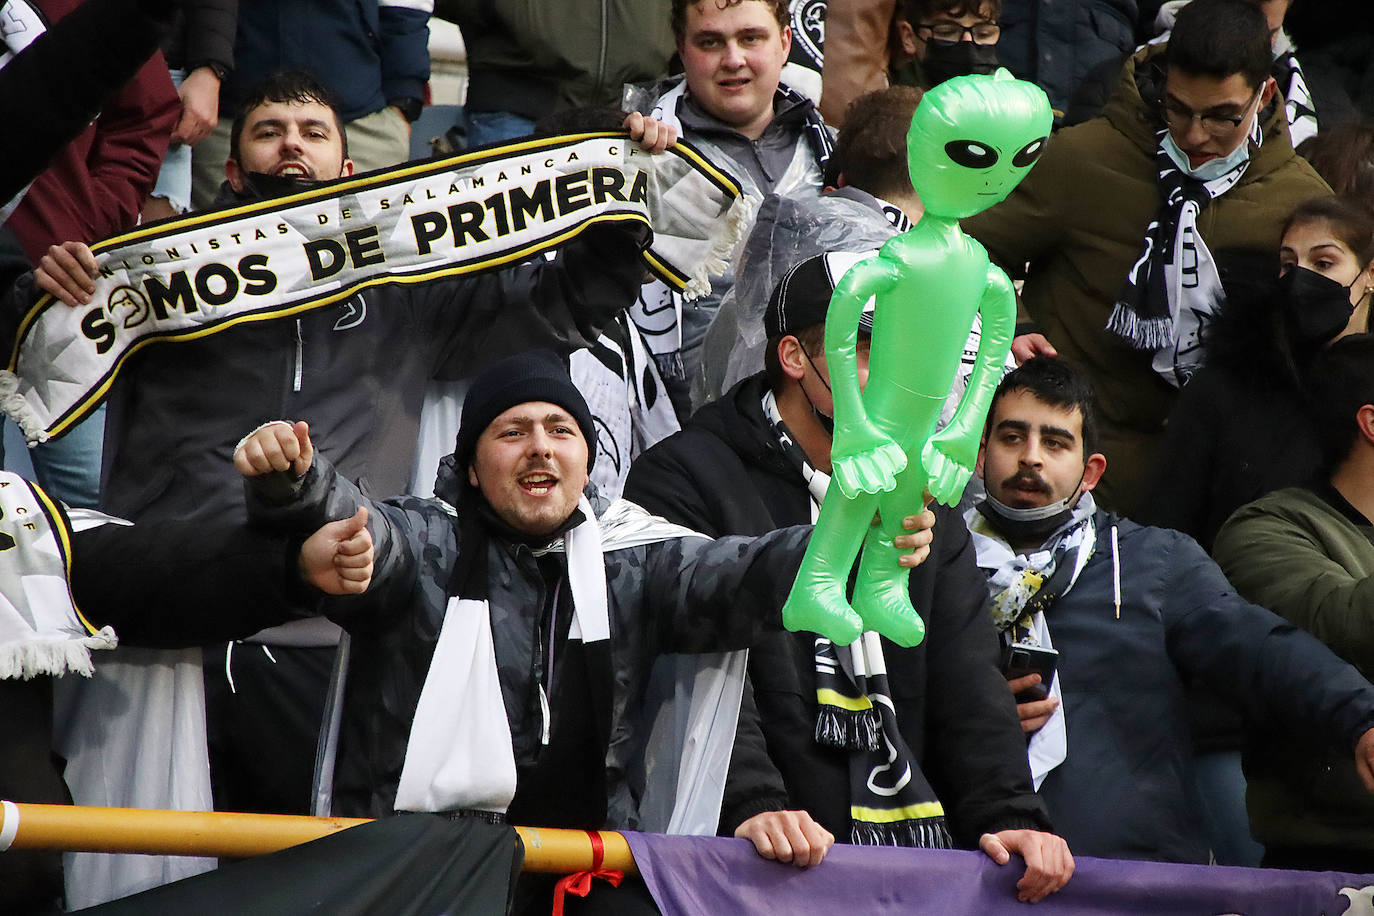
{"x": 74, "y": 828}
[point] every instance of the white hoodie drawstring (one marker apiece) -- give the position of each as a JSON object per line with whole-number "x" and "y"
{"x": 1116, "y": 574}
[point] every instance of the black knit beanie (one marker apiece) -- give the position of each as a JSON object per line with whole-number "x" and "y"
{"x": 536, "y": 375}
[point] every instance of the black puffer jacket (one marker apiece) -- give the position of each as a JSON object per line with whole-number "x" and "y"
{"x": 724, "y": 474}
{"x": 686, "y": 594}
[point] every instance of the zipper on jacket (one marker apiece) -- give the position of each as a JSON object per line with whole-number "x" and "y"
{"x": 300, "y": 358}
{"x": 601, "y": 58}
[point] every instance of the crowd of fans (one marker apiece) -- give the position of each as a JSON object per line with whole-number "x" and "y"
{"x": 1141, "y": 607}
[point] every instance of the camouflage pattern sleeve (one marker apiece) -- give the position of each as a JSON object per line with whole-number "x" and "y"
{"x": 710, "y": 596}
{"x": 409, "y": 535}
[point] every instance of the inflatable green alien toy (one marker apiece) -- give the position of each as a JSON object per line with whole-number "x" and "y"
{"x": 971, "y": 141}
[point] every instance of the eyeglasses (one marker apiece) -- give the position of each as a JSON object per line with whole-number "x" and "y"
{"x": 1180, "y": 118}
{"x": 947, "y": 30}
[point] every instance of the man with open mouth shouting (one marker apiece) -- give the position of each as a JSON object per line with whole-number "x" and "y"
{"x": 503, "y": 646}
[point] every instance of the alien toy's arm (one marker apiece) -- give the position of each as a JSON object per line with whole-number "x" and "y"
{"x": 863, "y": 458}
{"x": 950, "y": 454}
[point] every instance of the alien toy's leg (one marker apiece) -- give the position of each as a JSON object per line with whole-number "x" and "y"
{"x": 817, "y": 602}
{"x": 881, "y": 594}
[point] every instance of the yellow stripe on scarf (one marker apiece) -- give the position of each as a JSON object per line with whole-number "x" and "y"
{"x": 828, "y": 697}
{"x": 890, "y": 816}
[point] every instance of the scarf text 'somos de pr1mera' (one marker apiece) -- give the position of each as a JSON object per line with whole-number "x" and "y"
{"x": 192, "y": 277}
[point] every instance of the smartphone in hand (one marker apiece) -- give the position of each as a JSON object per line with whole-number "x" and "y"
{"x": 1019, "y": 660}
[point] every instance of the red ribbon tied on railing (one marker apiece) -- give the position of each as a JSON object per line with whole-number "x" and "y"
{"x": 579, "y": 883}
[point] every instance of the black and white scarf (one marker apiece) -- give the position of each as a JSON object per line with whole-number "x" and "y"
{"x": 1302, "y": 113}
{"x": 195, "y": 276}
{"x": 895, "y": 215}
{"x": 1171, "y": 290}
{"x": 619, "y": 378}
{"x": 806, "y": 57}
{"x": 464, "y": 759}
{"x": 890, "y": 801}
{"x": 42, "y": 632}
{"x": 460, "y": 756}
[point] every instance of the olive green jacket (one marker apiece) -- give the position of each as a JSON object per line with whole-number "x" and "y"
{"x": 1299, "y": 556}
{"x": 1079, "y": 219}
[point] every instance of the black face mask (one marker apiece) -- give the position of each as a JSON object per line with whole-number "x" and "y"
{"x": 1316, "y": 308}
{"x": 827, "y": 423}
{"x": 262, "y": 186}
{"x": 958, "y": 58}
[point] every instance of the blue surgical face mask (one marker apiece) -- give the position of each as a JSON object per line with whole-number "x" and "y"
{"x": 1212, "y": 168}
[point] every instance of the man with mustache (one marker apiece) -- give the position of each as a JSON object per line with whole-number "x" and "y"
{"x": 1133, "y": 613}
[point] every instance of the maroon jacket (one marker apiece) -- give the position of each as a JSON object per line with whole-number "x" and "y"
{"x": 95, "y": 187}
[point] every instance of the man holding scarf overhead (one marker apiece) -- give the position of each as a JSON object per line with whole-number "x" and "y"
{"x": 566, "y": 603}
{"x": 1127, "y": 219}
{"x": 356, "y": 364}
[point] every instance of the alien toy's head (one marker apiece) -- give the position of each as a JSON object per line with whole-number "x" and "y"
{"x": 972, "y": 139}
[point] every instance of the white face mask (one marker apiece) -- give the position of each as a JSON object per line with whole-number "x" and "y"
{"x": 1212, "y": 168}
{"x": 1036, "y": 513}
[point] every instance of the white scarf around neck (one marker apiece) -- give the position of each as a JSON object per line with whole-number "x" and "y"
{"x": 459, "y": 755}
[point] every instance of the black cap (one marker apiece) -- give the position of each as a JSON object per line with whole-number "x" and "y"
{"x": 802, "y": 297}
{"x": 536, "y": 375}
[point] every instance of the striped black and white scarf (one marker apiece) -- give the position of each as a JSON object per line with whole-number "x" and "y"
{"x": 1298, "y": 105}
{"x": 1171, "y": 290}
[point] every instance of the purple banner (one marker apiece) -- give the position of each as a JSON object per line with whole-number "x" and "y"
{"x": 693, "y": 875}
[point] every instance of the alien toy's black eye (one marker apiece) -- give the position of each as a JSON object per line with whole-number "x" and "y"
{"x": 971, "y": 154}
{"x": 1029, "y": 153}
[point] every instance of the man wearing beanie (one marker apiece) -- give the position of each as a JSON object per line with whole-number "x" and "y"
{"x": 504, "y": 643}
